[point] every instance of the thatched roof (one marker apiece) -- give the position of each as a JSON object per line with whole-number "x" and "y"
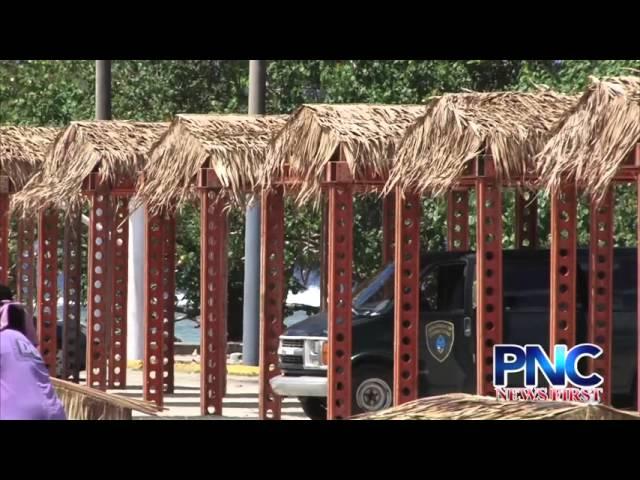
{"x": 81, "y": 402}
{"x": 117, "y": 149}
{"x": 593, "y": 139}
{"x": 233, "y": 145}
{"x": 457, "y": 127}
{"x": 365, "y": 134}
{"x": 461, "y": 406}
{"x": 22, "y": 150}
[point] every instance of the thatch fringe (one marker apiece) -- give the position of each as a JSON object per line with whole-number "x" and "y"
{"x": 84, "y": 403}
{"x": 593, "y": 139}
{"x": 22, "y": 151}
{"x": 117, "y": 149}
{"x": 233, "y": 145}
{"x": 457, "y": 127}
{"x": 461, "y": 406}
{"x": 365, "y": 135}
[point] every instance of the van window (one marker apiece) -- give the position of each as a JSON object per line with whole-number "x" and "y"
{"x": 625, "y": 276}
{"x": 442, "y": 289}
{"x": 526, "y": 285}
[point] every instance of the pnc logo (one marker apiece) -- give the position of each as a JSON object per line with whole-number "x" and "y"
{"x": 532, "y": 359}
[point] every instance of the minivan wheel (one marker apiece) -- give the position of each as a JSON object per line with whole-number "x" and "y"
{"x": 314, "y": 407}
{"x": 372, "y": 389}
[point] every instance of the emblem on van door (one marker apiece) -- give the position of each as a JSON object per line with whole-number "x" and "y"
{"x": 440, "y": 339}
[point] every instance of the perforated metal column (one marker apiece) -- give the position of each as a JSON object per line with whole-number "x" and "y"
{"x": 168, "y": 317}
{"x": 458, "y": 220}
{"x": 526, "y": 219}
{"x": 563, "y": 268}
{"x": 98, "y": 289}
{"x": 153, "y": 307}
{"x": 489, "y": 277}
{"x": 4, "y": 238}
{"x": 47, "y": 287}
{"x": 213, "y": 344}
{"x": 339, "y": 308}
{"x": 72, "y": 265}
{"x": 25, "y": 265}
{"x": 601, "y": 286}
{"x": 272, "y": 283}
{"x": 120, "y": 249}
{"x": 407, "y": 295}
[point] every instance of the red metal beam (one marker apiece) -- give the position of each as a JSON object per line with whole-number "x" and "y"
{"x": 458, "y": 220}
{"x": 169, "y": 294}
{"x": 272, "y": 295}
{"x": 98, "y": 288}
{"x": 47, "y": 287}
{"x": 601, "y": 286}
{"x": 563, "y": 268}
{"x": 489, "y": 314}
{"x": 72, "y": 251}
{"x": 120, "y": 249}
{"x": 153, "y": 306}
{"x": 213, "y": 278}
{"x": 407, "y": 295}
{"x": 25, "y": 264}
{"x": 4, "y": 238}
{"x": 339, "y": 308}
{"x": 526, "y": 219}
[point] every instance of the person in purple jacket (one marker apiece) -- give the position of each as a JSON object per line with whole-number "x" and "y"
{"x": 26, "y": 392}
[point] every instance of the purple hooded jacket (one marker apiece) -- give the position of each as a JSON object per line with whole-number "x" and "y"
{"x": 26, "y": 392}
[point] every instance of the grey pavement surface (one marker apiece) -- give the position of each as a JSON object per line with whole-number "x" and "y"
{"x": 241, "y": 401}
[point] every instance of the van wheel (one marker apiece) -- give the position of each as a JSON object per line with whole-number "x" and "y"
{"x": 372, "y": 389}
{"x": 314, "y": 407}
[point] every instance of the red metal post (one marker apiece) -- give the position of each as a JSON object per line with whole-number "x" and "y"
{"x": 339, "y": 308}
{"x": 47, "y": 288}
{"x": 489, "y": 311}
{"x": 563, "y": 268}
{"x": 272, "y": 292}
{"x": 120, "y": 249}
{"x": 526, "y": 220}
{"x": 153, "y": 306}
{"x": 169, "y": 295}
{"x": 407, "y": 295}
{"x": 98, "y": 288}
{"x": 72, "y": 251}
{"x": 458, "y": 220}
{"x": 4, "y": 238}
{"x": 601, "y": 286}
{"x": 25, "y": 266}
{"x": 213, "y": 278}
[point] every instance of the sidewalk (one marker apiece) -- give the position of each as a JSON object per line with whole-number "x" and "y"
{"x": 241, "y": 401}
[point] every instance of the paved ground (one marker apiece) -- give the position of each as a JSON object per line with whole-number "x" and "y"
{"x": 241, "y": 401}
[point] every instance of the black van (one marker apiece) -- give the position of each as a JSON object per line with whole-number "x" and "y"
{"x": 448, "y": 294}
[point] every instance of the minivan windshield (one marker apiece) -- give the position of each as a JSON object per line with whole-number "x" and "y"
{"x": 376, "y": 293}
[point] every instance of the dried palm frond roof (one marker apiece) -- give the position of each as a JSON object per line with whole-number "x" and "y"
{"x": 462, "y": 406}
{"x": 81, "y": 402}
{"x": 22, "y": 151}
{"x": 593, "y": 139}
{"x": 116, "y": 149}
{"x": 457, "y": 127}
{"x": 365, "y": 135}
{"x": 233, "y": 145}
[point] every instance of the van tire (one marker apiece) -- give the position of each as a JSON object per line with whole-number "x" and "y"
{"x": 372, "y": 388}
{"x": 314, "y": 407}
